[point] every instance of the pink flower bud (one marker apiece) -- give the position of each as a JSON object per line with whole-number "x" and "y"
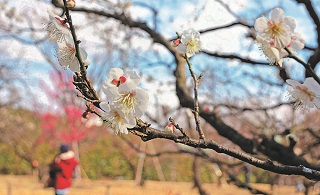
{"x": 170, "y": 128}
{"x": 176, "y": 42}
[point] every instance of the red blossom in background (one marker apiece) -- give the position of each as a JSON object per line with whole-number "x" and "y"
{"x": 66, "y": 123}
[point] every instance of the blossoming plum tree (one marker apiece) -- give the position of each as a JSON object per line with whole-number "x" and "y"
{"x": 125, "y": 102}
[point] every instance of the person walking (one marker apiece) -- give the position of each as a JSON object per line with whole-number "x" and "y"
{"x": 62, "y": 170}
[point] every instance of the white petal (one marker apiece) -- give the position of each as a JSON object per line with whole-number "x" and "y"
{"x": 182, "y": 48}
{"x": 280, "y": 62}
{"x": 293, "y": 83}
{"x": 283, "y": 53}
{"x": 276, "y": 53}
{"x": 83, "y": 54}
{"x": 74, "y": 65}
{"x": 291, "y": 22}
{"x": 309, "y": 104}
{"x": 123, "y": 129}
{"x": 290, "y": 89}
{"x": 283, "y": 40}
{"x": 111, "y": 92}
{"x": 185, "y": 38}
{"x": 105, "y": 106}
{"x": 132, "y": 75}
{"x": 131, "y": 121}
{"x": 299, "y": 37}
{"x": 142, "y": 95}
{"x": 69, "y": 39}
{"x": 115, "y": 73}
{"x": 316, "y": 101}
{"x": 296, "y": 45}
{"x": 126, "y": 87}
{"x": 140, "y": 110}
{"x": 312, "y": 84}
{"x": 277, "y": 15}
{"x": 261, "y": 24}
{"x": 87, "y": 62}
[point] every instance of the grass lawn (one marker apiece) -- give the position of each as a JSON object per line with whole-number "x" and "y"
{"x": 28, "y": 185}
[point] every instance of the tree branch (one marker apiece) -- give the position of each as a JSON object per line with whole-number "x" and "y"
{"x": 147, "y": 133}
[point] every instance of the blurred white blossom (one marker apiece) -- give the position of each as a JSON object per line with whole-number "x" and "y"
{"x": 306, "y": 95}
{"x": 189, "y": 43}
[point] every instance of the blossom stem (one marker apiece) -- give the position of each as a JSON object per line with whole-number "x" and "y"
{"x": 306, "y": 65}
{"x": 78, "y": 55}
{"x": 196, "y": 101}
{"x": 74, "y": 36}
{"x": 178, "y": 127}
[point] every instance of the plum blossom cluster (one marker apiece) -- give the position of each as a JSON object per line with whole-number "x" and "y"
{"x": 59, "y": 33}
{"x": 277, "y": 33}
{"x": 188, "y": 43}
{"x": 306, "y": 95}
{"x": 125, "y": 100}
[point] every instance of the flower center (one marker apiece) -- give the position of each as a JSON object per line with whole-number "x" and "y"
{"x": 306, "y": 93}
{"x": 192, "y": 46}
{"x": 128, "y": 101}
{"x": 67, "y": 53}
{"x": 274, "y": 29}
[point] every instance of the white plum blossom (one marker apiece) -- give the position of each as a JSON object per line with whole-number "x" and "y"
{"x": 277, "y": 29}
{"x": 122, "y": 91}
{"x": 126, "y": 100}
{"x": 306, "y": 95}
{"x": 189, "y": 43}
{"x": 92, "y": 121}
{"x": 272, "y": 53}
{"x": 116, "y": 119}
{"x": 57, "y": 29}
{"x": 67, "y": 55}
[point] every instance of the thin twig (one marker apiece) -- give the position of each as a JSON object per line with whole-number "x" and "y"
{"x": 196, "y": 101}
{"x": 78, "y": 55}
{"x": 306, "y": 65}
{"x": 178, "y": 127}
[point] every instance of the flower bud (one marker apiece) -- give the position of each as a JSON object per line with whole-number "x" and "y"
{"x": 71, "y": 3}
{"x": 169, "y": 128}
{"x": 86, "y": 115}
{"x": 176, "y": 42}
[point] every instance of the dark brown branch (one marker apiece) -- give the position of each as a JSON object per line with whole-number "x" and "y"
{"x": 313, "y": 14}
{"x": 236, "y": 57}
{"x": 315, "y": 58}
{"x": 224, "y": 27}
{"x": 193, "y": 152}
{"x": 147, "y": 133}
{"x": 307, "y": 66}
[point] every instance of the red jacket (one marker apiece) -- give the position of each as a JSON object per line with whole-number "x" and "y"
{"x": 65, "y": 164}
